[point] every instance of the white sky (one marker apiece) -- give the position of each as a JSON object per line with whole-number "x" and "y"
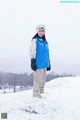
{"x": 19, "y": 19}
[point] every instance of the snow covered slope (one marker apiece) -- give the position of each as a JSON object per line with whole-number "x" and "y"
{"x": 61, "y": 101}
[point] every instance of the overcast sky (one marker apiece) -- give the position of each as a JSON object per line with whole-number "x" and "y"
{"x": 18, "y": 22}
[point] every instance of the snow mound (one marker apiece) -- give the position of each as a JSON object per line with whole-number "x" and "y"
{"x": 61, "y": 101}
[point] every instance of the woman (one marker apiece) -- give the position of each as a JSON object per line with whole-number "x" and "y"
{"x": 40, "y": 62}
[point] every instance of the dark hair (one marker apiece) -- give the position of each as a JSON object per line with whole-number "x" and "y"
{"x": 36, "y": 35}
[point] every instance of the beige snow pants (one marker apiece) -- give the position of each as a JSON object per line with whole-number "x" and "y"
{"x": 39, "y": 81}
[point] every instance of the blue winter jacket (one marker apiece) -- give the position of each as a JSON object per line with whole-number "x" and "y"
{"x": 42, "y": 53}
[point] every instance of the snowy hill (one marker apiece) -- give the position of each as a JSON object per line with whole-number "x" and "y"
{"x": 61, "y": 101}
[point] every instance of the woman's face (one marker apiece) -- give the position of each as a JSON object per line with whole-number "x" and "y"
{"x": 41, "y": 33}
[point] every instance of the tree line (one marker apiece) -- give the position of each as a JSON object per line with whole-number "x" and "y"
{"x": 12, "y": 80}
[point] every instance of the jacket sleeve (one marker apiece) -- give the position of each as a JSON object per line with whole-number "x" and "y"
{"x": 32, "y": 49}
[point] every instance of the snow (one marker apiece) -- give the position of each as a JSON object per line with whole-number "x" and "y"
{"x": 61, "y": 101}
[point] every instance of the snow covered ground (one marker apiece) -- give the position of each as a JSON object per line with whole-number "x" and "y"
{"x": 61, "y": 101}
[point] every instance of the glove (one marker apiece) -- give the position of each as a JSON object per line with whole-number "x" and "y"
{"x": 33, "y": 64}
{"x": 49, "y": 68}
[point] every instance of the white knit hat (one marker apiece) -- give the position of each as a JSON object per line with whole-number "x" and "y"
{"x": 40, "y": 27}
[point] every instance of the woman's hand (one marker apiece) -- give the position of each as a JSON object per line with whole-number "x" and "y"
{"x": 49, "y": 68}
{"x": 33, "y": 64}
